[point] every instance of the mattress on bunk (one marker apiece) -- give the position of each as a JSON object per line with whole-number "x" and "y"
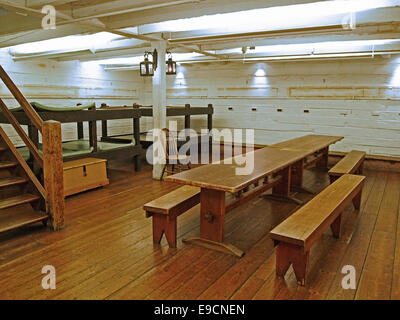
{"x": 78, "y": 145}
{"x": 148, "y": 136}
{"x": 41, "y": 107}
{"x": 67, "y": 152}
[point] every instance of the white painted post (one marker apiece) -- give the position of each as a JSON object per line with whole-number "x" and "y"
{"x": 159, "y": 97}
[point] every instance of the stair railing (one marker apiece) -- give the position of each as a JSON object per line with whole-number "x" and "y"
{"x": 51, "y": 161}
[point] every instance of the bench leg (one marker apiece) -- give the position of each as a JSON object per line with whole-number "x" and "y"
{"x": 360, "y": 168}
{"x": 335, "y": 227}
{"x": 161, "y": 225}
{"x": 332, "y": 179}
{"x": 357, "y": 200}
{"x": 287, "y": 254}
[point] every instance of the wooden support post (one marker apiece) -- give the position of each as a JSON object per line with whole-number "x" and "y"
{"x": 104, "y": 129}
{"x": 136, "y": 136}
{"x": 93, "y": 132}
{"x": 53, "y": 172}
{"x": 79, "y": 128}
{"x": 210, "y": 126}
{"x": 187, "y": 119}
{"x": 159, "y": 99}
{"x": 33, "y": 134}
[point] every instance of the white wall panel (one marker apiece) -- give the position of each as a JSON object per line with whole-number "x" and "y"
{"x": 359, "y": 99}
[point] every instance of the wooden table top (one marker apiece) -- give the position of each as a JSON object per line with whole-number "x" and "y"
{"x": 310, "y": 143}
{"x": 221, "y": 176}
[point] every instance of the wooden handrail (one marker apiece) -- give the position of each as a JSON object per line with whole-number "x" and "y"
{"x": 29, "y": 110}
{"x": 23, "y": 164}
{"x": 28, "y": 142}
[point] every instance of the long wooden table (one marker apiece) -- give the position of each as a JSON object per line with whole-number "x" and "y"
{"x": 272, "y": 165}
{"x": 317, "y": 149}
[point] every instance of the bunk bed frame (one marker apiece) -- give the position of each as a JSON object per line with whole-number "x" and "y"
{"x": 91, "y": 115}
{"x": 147, "y": 111}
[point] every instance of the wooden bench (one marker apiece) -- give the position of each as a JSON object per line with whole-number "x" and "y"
{"x": 167, "y": 208}
{"x": 295, "y": 236}
{"x": 351, "y": 163}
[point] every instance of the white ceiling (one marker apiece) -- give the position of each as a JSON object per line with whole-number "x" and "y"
{"x": 212, "y": 29}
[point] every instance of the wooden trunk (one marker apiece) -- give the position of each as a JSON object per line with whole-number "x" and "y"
{"x": 84, "y": 174}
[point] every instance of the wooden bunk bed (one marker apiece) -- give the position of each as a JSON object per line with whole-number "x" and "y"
{"x": 83, "y": 148}
{"x": 147, "y": 111}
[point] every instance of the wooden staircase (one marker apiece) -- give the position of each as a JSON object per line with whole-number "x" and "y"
{"x": 20, "y": 201}
{"x": 24, "y": 199}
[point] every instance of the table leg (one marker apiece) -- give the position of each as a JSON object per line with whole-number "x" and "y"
{"x": 297, "y": 177}
{"x": 212, "y": 214}
{"x": 212, "y": 219}
{"x": 281, "y": 191}
{"x": 323, "y": 162}
{"x": 297, "y": 173}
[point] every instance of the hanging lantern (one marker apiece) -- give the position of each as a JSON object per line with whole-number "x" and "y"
{"x": 171, "y": 65}
{"x": 148, "y": 67}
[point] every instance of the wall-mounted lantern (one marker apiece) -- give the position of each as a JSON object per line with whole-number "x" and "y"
{"x": 148, "y": 67}
{"x": 171, "y": 65}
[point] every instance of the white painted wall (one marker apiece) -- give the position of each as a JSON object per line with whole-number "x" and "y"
{"x": 359, "y": 99}
{"x": 68, "y": 83}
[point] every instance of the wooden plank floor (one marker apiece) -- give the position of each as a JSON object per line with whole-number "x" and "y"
{"x": 106, "y": 250}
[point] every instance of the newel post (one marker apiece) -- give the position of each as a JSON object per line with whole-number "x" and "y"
{"x": 53, "y": 172}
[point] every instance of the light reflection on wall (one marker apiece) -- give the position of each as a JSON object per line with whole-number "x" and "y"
{"x": 91, "y": 68}
{"x": 260, "y": 79}
{"x": 395, "y": 80}
{"x": 180, "y": 80}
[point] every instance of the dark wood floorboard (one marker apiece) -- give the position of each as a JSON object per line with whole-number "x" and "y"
{"x": 106, "y": 249}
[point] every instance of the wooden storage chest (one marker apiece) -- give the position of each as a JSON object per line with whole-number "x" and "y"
{"x": 84, "y": 174}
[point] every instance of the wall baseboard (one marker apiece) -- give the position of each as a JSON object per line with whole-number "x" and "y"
{"x": 372, "y": 162}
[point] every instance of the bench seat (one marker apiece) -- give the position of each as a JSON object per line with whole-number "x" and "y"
{"x": 167, "y": 208}
{"x": 351, "y": 163}
{"x": 295, "y": 235}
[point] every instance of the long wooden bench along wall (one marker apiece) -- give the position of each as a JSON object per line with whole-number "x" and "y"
{"x": 167, "y": 208}
{"x": 295, "y": 236}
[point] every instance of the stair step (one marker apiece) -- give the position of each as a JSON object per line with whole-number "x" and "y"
{"x": 2, "y": 148}
{"x": 11, "y": 181}
{"x": 12, "y": 220}
{"x": 16, "y": 200}
{"x": 7, "y": 164}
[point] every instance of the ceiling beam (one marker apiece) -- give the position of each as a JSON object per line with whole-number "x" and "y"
{"x": 100, "y": 27}
{"x": 206, "y": 7}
